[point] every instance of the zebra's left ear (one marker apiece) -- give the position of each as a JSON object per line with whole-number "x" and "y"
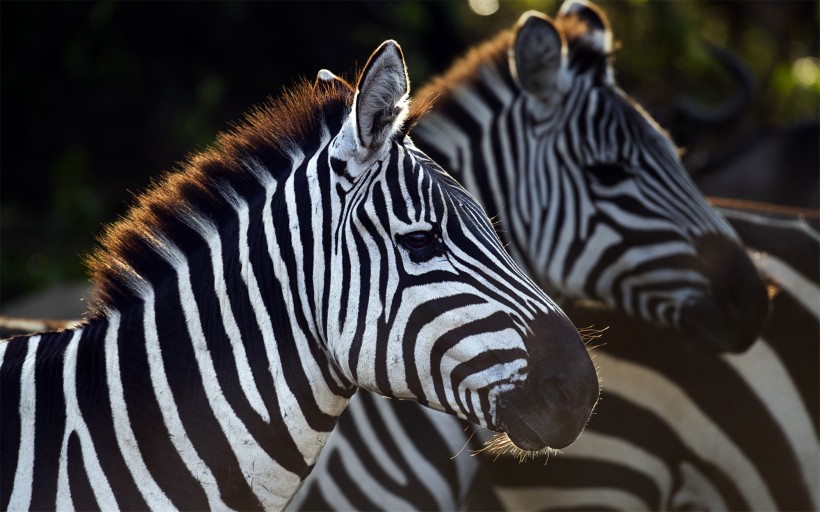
{"x": 596, "y": 33}
{"x": 382, "y": 97}
{"x": 538, "y": 57}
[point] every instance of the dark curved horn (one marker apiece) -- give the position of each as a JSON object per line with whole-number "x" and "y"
{"x": 695, "y": 111}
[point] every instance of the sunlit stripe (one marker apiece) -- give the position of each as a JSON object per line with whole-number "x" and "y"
{"x": 154, "y": 497}
{"x": 270, "y": 482}
{"x": 24, "y": 476}
{"x": 168, "y": 407}
{"x": 208, "y": 231}
{"x": 75, "y": 423}
{"x": 307, "y": 439}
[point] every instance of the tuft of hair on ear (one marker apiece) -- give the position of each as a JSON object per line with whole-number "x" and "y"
{"x": 417, "y": 109}
{"x": 328, "y": 80}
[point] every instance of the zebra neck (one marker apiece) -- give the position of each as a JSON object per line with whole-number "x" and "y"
{"x": 179, "y": 401}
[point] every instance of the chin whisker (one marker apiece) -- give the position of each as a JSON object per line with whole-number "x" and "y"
{"x": 501, "y": 445}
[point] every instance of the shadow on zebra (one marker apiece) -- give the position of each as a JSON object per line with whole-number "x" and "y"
{"x": 245, "y": 298}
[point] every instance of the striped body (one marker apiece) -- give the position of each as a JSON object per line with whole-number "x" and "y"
{"x": 595, "y": 204}
{"x": 677, "y": 431}
{"x": 245, "y": 298}
{"x": 674, "y": 430}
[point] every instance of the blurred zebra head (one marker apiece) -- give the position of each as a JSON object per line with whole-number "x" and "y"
{"x": 590, "y": 191}
{"x": 424, "y": 303}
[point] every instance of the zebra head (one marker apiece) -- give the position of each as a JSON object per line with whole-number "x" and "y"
{"x": 599, "y": 204}
{"x": 424, "y": 303}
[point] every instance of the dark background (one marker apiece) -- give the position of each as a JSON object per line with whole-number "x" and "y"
{"x": 97, "y": 97}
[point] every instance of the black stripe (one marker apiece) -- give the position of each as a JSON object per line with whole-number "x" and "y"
{"x": 160, "y": 456}
{"x": 82, "y": 496}
{"x": 95, "y": 406}
{"x": 561, "y": 472}
{"x": 50, "y": 419}
{"x": 195, "y": 412}
{"x": 417, "y": 320}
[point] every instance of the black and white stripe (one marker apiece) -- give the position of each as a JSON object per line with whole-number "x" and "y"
{"x": 588, "y": 190}
{"x": 245, "y": 298}
{"x": 675, "y": 430}
{"x": 585, "y": 225}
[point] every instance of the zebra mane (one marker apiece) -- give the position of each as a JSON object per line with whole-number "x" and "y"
{"x": 467, "y": 68}
{"x": 127, "y": 250}
{"x": 583, "y": 51}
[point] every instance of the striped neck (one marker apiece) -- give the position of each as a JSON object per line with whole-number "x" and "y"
{"x": 201, "y": 380}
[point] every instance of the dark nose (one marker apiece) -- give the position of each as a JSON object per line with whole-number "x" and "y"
{"x": 552, "y": 406}
{"x": 735, "y": 312}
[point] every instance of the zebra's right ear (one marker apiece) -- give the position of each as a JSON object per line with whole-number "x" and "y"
{"x": 538, "y": 57}
{"x": 382, "y": 96}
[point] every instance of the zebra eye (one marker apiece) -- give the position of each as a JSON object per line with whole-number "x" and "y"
{"x": 418, "y": 239}
{"x": 607, "y": 174}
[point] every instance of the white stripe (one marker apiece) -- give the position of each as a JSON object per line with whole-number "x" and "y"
{"x": 75, "y": 423}
{"x": 208, "y": 231}
{"x": 771, "y": 221}
{"x": 366, "y": 480}
{"x": 798, "y": 286}
{"x": 653, "y": 391}
{"x": 168, "y": 407}
{"x": 24, "y": 475}
{"x": 451, "y": 431}
{"x": 386, "y": 464}
{"x": 288, "y": 405}
{"x": 430, "y": 478}
{"x": 695, "y": 492}
{"x": 601, "y": 447}
{"x": 763, "y": 371}
{"x": 268, "y": 480}
{"x": 154, "y": 497}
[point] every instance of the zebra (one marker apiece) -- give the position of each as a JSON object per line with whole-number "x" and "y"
{"x": 673, "y": 431}
{"x": 592, "y": 200}
{"x": 244, "y": 299}
{"x": 677, "y": 432}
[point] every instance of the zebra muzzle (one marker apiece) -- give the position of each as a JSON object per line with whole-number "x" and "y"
{"x": 550, "y": 408}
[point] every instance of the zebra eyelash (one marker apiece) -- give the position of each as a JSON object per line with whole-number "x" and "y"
{"x": 419, "y": 248}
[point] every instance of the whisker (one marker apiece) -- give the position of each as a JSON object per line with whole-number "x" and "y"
{"x": 501, "y": 445}
{"x": 465, "y": 443}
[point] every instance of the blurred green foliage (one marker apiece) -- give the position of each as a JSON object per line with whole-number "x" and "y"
{"x": 95, "y": 98}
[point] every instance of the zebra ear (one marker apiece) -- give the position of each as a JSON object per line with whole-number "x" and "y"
{"x": 538, "y": 59}
{"x": 382, "y": 96}
{"x": 597, "y": 34}
{"x": 325, "y": 78}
